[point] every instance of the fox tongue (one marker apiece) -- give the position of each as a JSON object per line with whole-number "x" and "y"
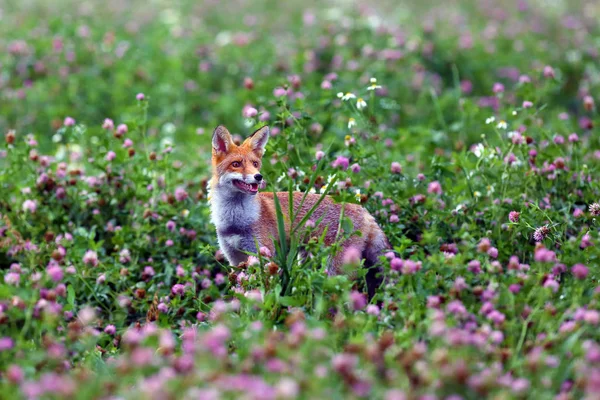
{"x": 249, "y": 187}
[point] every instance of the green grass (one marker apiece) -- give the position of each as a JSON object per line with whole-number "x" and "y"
{"x": 111, "y": 285}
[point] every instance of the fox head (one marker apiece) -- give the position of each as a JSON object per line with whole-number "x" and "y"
{"x": 237, "y": 168}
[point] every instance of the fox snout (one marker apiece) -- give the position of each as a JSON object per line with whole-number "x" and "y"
{"x": 257, "y": 179}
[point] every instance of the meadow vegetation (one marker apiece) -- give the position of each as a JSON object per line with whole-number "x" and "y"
{"x": 469, "y": 129}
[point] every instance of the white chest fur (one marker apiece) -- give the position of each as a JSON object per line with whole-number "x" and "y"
{"x": 234, "y": 217}
{"x": 233, "y": 209}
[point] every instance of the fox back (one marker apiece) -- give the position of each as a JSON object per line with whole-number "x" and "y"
{"x": 242, "y": 216}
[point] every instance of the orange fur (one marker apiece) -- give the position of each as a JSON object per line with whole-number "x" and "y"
{"x": 328, "y": 212}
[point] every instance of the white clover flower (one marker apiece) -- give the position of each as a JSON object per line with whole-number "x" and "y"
{"x": 61, "y": 152}
{"x": 478, "y": 150}
{"x": 490, "y": 120}
{"x": 348, "y": 96}
{"x": 75, "y": 148}
{"x": 502, "y": 125}
{"x": 516, "y": 164}
{"x": 330, "y": 178}
{"x": 351, "y": 123}
{"x": 166, "y": 142}
{"x": 360, "y": 103}
{"x": 340, "y": 95}
{"x": 373, "y": 80}
{"x": 357, "y": 194}
{"x": 333, "y": 13}
{"x": 281, "y": 177}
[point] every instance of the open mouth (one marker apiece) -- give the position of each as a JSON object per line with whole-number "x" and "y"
{"x": 251, "y": 188}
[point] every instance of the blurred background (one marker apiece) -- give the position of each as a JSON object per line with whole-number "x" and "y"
{"x": 200, "y": 62}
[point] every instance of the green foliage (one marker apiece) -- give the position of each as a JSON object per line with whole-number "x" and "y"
{"x": 469, "y": 133}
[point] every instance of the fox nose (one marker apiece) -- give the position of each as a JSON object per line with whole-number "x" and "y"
{"x": 258, "y": 177}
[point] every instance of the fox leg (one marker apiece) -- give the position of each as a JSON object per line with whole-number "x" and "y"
{"x": 376, "y": 247}
{"x": 235, "y": 243}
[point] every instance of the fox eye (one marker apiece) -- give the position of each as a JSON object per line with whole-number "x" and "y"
{"x": 255, "y": 164}
{"x": 236, "y": 164}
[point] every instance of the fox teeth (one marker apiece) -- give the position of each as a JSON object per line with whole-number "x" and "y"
{"x": 251, "y": 187}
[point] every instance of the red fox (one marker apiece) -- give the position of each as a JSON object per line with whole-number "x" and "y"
{"x": 242, "y": 216}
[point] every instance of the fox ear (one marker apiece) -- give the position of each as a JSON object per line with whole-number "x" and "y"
{"x": 258, "y": 140}
{"x": 221, "y": 139}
